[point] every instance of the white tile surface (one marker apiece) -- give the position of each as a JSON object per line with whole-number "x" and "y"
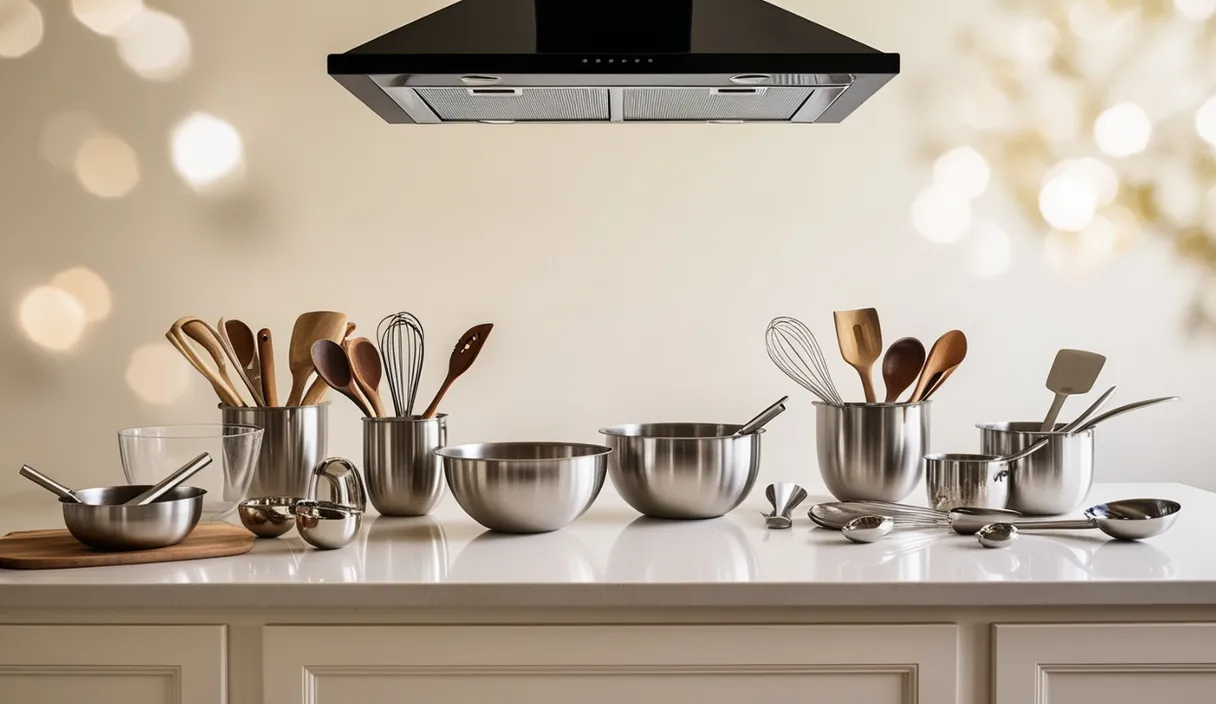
{"x": 613, "y": 557}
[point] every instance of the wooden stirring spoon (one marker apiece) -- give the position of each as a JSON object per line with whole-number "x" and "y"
{"x": 463, "y": 356}
{"x": 244, "y": 345}
{"x": 333, "y": 366}
{"x": 226, "y": 394}
{"x": 309, "y": 329}
{"x": 948, "y": 352}
{"x": 365, "y": 363}
{"x": 318, "y": 388}
{"x": 860, "y": 339}
{"x": 901, "y": 366}
{"x": 242, "y": 371}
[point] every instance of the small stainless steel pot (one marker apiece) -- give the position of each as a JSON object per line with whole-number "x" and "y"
{"x": 1052, "y": 481}
{"x": 404, "y": 475}
{"x": 525, "y": 487}
{"x": 683, "y": 470}
{"x": 954, "y": 480}
{"x": 102, "y": 522}
{"x": 872, "y": 452}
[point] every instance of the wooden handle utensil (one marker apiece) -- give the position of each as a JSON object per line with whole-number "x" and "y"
{"x": 463, "y": 356}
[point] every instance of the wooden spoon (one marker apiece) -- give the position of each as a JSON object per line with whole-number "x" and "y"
{"x": 365, "y": 363}
{"x": 225, "y": 392}
{"x": 905, "y": 358}
{"x": 860, "y": 339}
{"x": 318, "y": 388}
{"x": 948, "y": 352}
{"x": 242, "y": 370}
{"x": 1073, "y": 372}
{"x": 309, "y": 329}
{"x": 463, "y": 356}
{"x": 333, "y": 366}
{"x": 245, "y": 344}
{"x": 270, "y": 390}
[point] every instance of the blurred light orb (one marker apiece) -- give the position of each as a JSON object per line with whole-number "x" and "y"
{"x": 157, "y": 373}
{"x": 1205, "y": 120}
{"x": 106, "y": 17}
{"x": 1035, "y": 41}
{"x": 1100, "y": 176}
{"x": 63, "y": 134}
{"x": 1196, "y": 10}
{"x": 1068, "y": 201}
{"x": 942, "y": 214}
{"x": 154, "y": 45}
{"x": 89, "y": 290}
{"x": 1123, "y": 130}
{"x": 964, "y": 169}
{"x": 21, "y": 28}
{"x": 107, "y": 166}
{"x": 991, "y": 251}
{"x": 51, "y": 318}
{"x": 205, "y": 149}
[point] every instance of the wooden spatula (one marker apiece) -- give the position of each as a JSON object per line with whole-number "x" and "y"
{"x": 463, "y": 356}
{"x": 860, "y": 338}
{"x": 179, "y": 339}
{"x": 947, "y": 353}
{"x": 1073, "y": 372}
{"x": 309, "y": 329}
{"x": 270, "y": 390}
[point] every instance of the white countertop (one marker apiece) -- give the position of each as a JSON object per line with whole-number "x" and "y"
{"x": 612, "y": 557}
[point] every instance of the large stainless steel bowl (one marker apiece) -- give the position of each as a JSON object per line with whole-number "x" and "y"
{"x": 103, "y": 523}
{"x": 525, "y": 487}
{"x": 683, "y": 470}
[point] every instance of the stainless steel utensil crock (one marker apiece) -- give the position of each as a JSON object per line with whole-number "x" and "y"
{"x": 102, "y": 522}
{"x": 295, "y": 440}
{"x": 683, "y": 470}
{"x": 525, "y": 487}
{"x": 1050, "y": 482}
{"x": 404, "y": 475}
{"x": 872, "y": 451}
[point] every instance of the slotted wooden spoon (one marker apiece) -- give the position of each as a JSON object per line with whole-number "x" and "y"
{"x": 463, "y": 356}
{"x": 860, "y": 338}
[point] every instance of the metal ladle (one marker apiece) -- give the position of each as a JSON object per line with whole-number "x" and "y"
{"x": 1131, "y": 519}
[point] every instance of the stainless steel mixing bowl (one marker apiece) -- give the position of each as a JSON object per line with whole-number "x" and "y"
{"x": 683, "y": 470}
{"x": 872, "y": 452}
{"x": 525, "y": 487}
{"x": 103, "y": 523}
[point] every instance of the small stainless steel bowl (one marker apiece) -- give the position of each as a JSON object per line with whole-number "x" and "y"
{"x": 103, "y": 523}
{"x": 525, "y": 487}
{"x": 268, "y": 517}
{"x": 683, "y": 470}
{"x": 327, "y": 526}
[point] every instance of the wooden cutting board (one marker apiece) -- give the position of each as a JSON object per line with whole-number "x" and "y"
{"x": 57, "y": 549}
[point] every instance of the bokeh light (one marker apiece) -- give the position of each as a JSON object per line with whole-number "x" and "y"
{"x": 942, "y": 214}
{"x": 51, "y": 318}
{"x": 64, "y": 134}
{"x": 20, "y": 27}
{"x": 1068, "y": 200}
{"x": 1205, "y": 121}
{"x": 154, "y": 45}
{"x": 157, "y": 373}
{"x": 89, "y": 290}
{"x": 106, "y": 17}
{"x": 1123, "y": 130}
{"x": 206, "y": 149}
{"x": 991, "y": 250}
{"x": 107, "y": 167}
{"x": 964, "y": 169}
{"x": 1197, "y": 10}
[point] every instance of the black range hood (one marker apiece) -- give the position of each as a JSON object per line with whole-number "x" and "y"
{"x": 506, "y": 61}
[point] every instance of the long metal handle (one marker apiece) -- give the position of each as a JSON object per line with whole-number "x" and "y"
{"x": 1055, "y": 525}
{"x": 1070, "y": 429}
{"x": 1097, "y": 406}
{"x": 49, "y": 484}
{"x": 1126, "y": 409}
{"x": 765, "y": 416}
{"x": 171, "y": 482}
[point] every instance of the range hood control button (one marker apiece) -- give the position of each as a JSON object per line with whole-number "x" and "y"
{"x": 752, "y": 79}
{"x": 480, "y": 80}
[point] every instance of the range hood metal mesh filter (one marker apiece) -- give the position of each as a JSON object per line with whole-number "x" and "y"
{"x": 523, "y": 104}
{"x": 673, "y": 104}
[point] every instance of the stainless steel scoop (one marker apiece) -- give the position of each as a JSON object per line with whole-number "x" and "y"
{"x": 1130, "y": 519}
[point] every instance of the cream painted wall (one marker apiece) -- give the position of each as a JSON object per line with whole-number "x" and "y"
{"x": 630, "y": 269}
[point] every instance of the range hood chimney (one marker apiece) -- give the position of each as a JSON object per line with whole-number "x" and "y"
{"x": 508, "y": 61}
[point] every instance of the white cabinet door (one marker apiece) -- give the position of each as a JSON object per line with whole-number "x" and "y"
{"x": 610, "y": 664}
{"x": 113, "y": 664}
{"x": 1108, "y": 663}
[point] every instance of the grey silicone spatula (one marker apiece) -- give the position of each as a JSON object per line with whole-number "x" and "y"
{"x": 1073, "y": 372}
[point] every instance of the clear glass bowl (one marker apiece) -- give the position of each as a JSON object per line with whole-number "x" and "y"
{"x": 151, "y": 453}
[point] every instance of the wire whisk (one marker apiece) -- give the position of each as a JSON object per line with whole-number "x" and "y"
{"x": 793, "y": 348}
{"x": 403, "y": 349}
